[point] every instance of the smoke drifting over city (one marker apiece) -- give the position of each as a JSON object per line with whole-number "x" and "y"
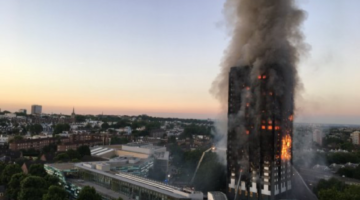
{"x": 265, "y": 35}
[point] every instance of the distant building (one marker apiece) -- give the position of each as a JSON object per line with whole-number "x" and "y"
{"x": 355, "y": 137}
{"x": 36, "y": 109}
{"x": 23, "y": 111}
{"x": 74, "y": 145}
{"x": 317, "y": 136}
{"x": 157, "y": 133}
{"x": 73, "y": 116}
{"x": 36, "y": 144}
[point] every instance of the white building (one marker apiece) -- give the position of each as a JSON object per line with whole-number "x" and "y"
{"x": 355, "y": 137}
{"x": 36, "y": 109}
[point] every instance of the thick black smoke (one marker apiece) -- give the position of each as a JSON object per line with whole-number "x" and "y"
{"x": 266, "y": 35}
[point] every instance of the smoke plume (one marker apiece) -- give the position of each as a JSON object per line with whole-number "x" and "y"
{"x": 265, "y": 35}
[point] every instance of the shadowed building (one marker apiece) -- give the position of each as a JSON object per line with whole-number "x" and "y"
{"x": 259, "y": 136}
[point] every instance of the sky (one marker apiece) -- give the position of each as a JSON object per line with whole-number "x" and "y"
{"x": 160, "y": 57}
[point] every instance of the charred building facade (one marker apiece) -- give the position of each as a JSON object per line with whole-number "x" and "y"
{"x": 259, "y": 149}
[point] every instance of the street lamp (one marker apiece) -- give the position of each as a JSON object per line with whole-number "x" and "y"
{"x": 198, "y": 165}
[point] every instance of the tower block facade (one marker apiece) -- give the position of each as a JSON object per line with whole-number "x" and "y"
{"x": 259, "y": 148}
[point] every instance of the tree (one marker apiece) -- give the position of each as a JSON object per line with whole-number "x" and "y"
{"x": 36, "y": 128}
{"x": 84, "y": 151}
{"x": 120, "y": 198}
{"x": 2, "y": 167}
{"x": 117, "y": 140}
{"x": 37, "y": 170}
{"x": 59, "y": 128}
{"x": 105, "y": 125}
{"x": 55, "y": 193}
{"x": 80, "y": 118}
{"x": 13, "y": 188}
{"x": 51, "y": 180}
{"x": 88, "y": 193}
{"x": 51, "y": 148}
{"x": 32, "y": 188}
{"x": 73, "y": 154}
{"x": 9, "y": 171}
{"x": 329, "y": 194}
{"x": 172, "y": 139}
{"x": 62, "y": 157}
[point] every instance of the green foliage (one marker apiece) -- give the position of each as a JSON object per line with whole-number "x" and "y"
{"x": 117, "y": 140}
{"x": 59, "y": 128}
{"x": 32, "y": 188}
{"x": 13, "y": 188}
{"x": 2, "y": 167}
{"x": 51, "y": 148}
{"x": 51, "y": 180}
{"x": 84, "y": 151}
{"x": 120, "y": 198}
{"x": 8, "y": 172}
{"x": 55, "y": 193}
{"x": 350, "y": 172}
{"x": 172, "y": 139}
{"x": 350, "y": 192}
{"x": 37, "y": 170}
{"x": 35, "y": 128}
{"x": 62, "y": 157}
{"x": 80, "y": 118}
{"x": 194, "y": 129}
{"x": 334, "y": 189}
{"x": 332, "y": 183}
{"x": 30, "y": 152}
{"x": 16, "y": 138}
{"x": 121, "y": 123}
{"x": 73, "y": 154}
{"x": 88, "y": 193}
{"x": 105, "y": 126}
{"x": 343, "y": 158}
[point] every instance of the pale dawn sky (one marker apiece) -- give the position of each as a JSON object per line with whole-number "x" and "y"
{"x": 159, "y": 57}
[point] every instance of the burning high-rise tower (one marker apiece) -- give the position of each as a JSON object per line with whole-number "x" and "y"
{"x": 259, "y": 136}
{"x": 265, "y": 47}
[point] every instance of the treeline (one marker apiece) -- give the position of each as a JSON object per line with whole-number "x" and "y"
{"x": 343, "y": 158}
{"x": 338, "y": 143}
{"x": 350, "y": 172}
{"x": 334, "y": 189}
{"x": 35, "y": 185}
{"x": 194, "y": 129}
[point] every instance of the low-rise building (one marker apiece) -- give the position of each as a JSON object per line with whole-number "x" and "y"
{"x": 36, "y": 144}
{"x": 112, "y": 184}
{"x": 355, "y": 137}
{"x": 74, "y": 145}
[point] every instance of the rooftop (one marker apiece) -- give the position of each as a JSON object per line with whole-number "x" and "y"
{"x": 142, "y": 182}
{"x": 62, "y": 166}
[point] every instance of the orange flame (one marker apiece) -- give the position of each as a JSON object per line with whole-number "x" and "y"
{"x": 286, "y": 148}
{"x": 291, "y": 118}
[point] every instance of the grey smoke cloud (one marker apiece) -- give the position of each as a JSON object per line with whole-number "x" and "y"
{"x": 266, "y": 36}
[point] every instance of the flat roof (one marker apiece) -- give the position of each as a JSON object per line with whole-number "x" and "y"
{"x": 102, "y": 190}
{"x": 142, "y": 182}
{"x": 62, "y": 166}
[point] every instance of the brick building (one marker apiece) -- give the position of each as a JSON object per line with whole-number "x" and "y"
{"x": 36, "y": 144}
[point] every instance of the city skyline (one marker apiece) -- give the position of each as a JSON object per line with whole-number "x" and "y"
{"x": 159, "y": 58}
